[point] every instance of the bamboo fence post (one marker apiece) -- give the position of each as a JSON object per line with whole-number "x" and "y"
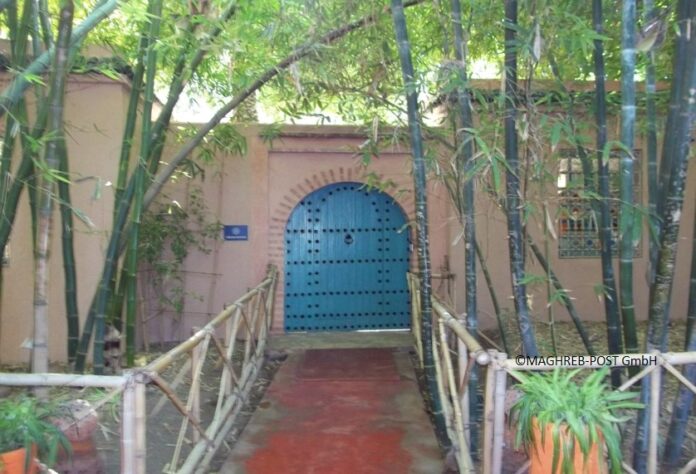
{"x": 195, "y": 387}
{"x": 498, "y": 413}
{"x": 655, "y": 384}
{"x": 128, "y": 426}
{"x": 140, "y": 427}
{"x": 197, "y": 361}
{"x": 248, "y": 317}
{"x": 270, "y": 295}
{"x": 228, "y": 330}
{"x": 488, "y": 415}
{"x": 463, "y": 364}
{"x": 464, "y": 456}
{"x": 415, "y": 316}
{"x": 440, "y": 380}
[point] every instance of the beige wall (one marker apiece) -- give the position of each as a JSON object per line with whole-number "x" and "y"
{"x": 260, "y": 190}
{"x": 94, "y": 106}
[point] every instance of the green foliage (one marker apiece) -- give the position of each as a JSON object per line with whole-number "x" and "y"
{"x": 577, "y": 411}
{"x": 168, "y": 232}
{"x": 25, "y": 421}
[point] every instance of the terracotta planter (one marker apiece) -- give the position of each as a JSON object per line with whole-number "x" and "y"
{"x": 541, "y": 454}
{"x": 12, "y": 462}
{"x": 78, "y": 422}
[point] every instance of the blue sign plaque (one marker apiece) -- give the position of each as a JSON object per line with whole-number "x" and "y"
{"x": 236, "y": 232}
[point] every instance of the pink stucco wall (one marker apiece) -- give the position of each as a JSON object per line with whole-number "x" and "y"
{"x": 260, "y": 189}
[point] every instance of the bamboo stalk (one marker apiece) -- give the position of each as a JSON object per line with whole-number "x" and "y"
{"x": 59, "y": 380}
{"x": 655, "y": 384}
{"x": 498, "y": 414}
{"x": 684, "y": 400}
{"x": 175, "y": 383}
{"x": 419, "y": 176}
{"x": 415, "y": 317}
{"x": 611, "y": 299}
{"x": 489, "y": 415}
{"x": 462, "y": 450}
{"x": 129, "y": 447}
{"x": 675, "y": 158}
{"x": 684, "y": 381}
{"x": 639, "y": 376}
{"x": 690, "y": 466}
{"x": 195, "y": 386}
{"x": 228, "y": 414}
{"x": 465, "y": 162}
{"x": 440, "y": 382}
{"x": 15, "y": 90}
{"x": 155, "y": 9}
{"x": 463, "y": 364}
{"x": 627, "y": 211}
{"x": 140, "y": 427}
{"x": 69, "y": 267}
{"x": 225, "y": 383}
{"x": 45, "y": 191}
{"x": 482, "y": 357}
{"x": 651, "y": 137}
{"x": 184, "y": 410}
{"x": 219, "y": 426}
{"x": 512, "y": 185}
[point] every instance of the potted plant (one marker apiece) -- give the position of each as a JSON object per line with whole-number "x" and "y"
{"x": 25, "y": 431}
{"x": 565, "y": 425}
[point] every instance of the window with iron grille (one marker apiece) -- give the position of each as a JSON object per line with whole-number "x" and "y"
{"x": 578, "y": 223}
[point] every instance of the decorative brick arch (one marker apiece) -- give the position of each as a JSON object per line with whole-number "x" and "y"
{"x": 280, "y": 213}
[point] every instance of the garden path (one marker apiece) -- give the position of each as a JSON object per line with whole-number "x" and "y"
{"x": 335, "y": 411}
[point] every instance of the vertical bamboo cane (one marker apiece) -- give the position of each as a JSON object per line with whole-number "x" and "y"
{"x": 128, "y": 426}
{"x": 140, "y": 426}
{"x": 488, "y": 416}
{"x": 463, "y": 363}
{"x": 498, "y": 413}
{"x": 655, "y": 383}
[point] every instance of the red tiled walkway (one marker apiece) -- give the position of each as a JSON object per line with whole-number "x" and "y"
{"x": 337, "y": 411}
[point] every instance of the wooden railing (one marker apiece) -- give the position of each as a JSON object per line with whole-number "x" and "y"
{"x": 455, "y": 351}
{"x": 245, "y": 322}
{"x": 235, "y": 340}
{"x": 454, "y": 358}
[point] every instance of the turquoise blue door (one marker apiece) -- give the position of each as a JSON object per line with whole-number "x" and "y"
{"x": 346, "y": 258}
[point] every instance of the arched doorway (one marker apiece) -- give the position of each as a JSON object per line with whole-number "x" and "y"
{"x": 346, "y": 258}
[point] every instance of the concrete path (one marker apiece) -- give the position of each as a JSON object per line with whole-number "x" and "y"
{"x": 340, "y": 411}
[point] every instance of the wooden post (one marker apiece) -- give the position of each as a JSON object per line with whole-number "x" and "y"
{"x": 655, "y": 383}
{"x": 270, "y": 296}
{"x": 488, "y": 415}
{"x": 128, "y": 426}
{"x": 140, "y": 427}
{"x": 498, "y": 413}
